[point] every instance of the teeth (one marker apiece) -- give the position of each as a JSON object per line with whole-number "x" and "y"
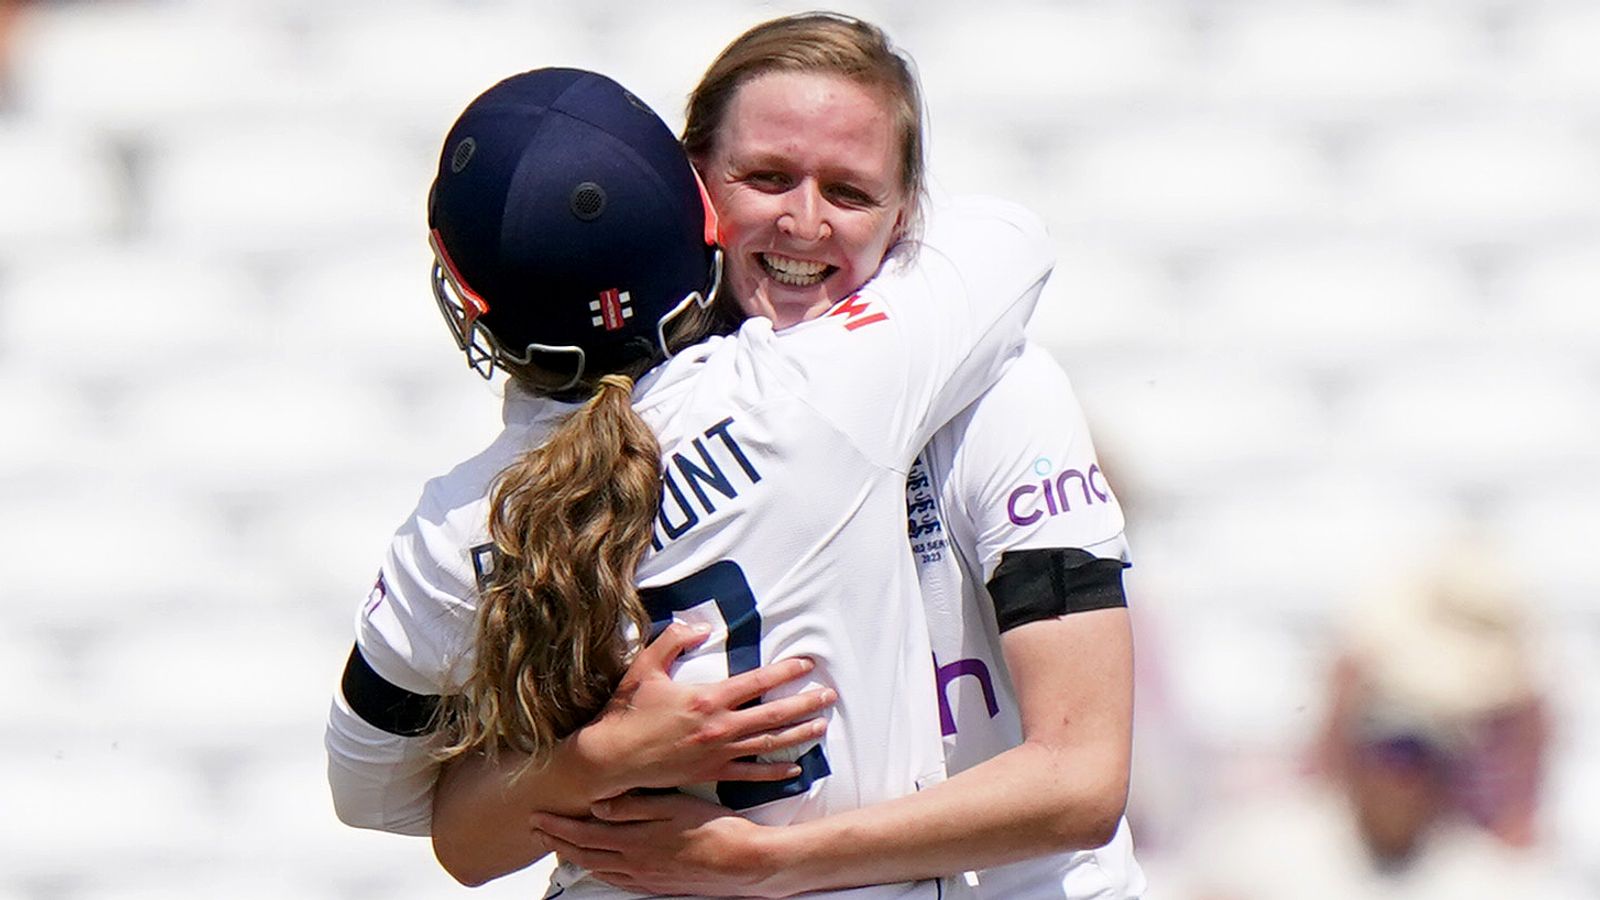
{"x": 793, "y": 266}
{"x": 796, "y": 272}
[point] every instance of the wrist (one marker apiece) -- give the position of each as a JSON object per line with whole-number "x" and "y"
{"x": 777, "y": 855}
{"x": 589, "y": 757}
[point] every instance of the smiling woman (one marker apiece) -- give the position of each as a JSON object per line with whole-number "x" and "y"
{"x": 808, "y": 133}
{"x": 803, "y": 179}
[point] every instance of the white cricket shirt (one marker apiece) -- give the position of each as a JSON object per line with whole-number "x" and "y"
{"x": 1017, "y": 470}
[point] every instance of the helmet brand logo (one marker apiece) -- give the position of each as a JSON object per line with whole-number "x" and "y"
{"x": 612, "y": 310}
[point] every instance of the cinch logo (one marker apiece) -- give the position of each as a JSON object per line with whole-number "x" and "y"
{"x": 1023, "y": 506}
{"x": 943, "y": 675}
{"x": 853, "y": 306}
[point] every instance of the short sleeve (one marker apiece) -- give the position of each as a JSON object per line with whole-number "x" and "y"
{"x": 415, "y": 623}
{"x": 410, "y": 633}
{"x": 1025, "y": 471}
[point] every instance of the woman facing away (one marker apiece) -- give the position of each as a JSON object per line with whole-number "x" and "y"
{"x": 745, "y": 487}
{"x": 807, "y": 131}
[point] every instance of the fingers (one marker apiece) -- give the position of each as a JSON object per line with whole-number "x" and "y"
{"x": 683, "y": 810}
{"x": 636, "y": 808}
{"x": 676, "y": 640}
{"x": 780, "y": 712}
{"x": 768, "y": 742}
{"x": 770, "y": 726}
{"x": 744, "y": 770}
{"x": 594, "y": 860}
{"x": 564, "y": 834}
{"x": 751, "y": 685}
{"x": 767, "y": 727}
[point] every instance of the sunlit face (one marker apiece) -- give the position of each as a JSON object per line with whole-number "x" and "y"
{"x": 805, "y": 178}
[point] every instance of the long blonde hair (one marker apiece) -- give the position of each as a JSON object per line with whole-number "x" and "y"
{"x": 570, "y": 520}
{"x": 819, "y": 42}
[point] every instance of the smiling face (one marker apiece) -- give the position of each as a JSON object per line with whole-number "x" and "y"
{"x": 805, "y": 177}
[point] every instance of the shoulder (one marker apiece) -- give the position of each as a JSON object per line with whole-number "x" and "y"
{"x": 968, "y": 244}
{"x": 528, "y": 421}
{"x": 1030, "y": 411}
{"x": 435, "y": 558}
{"x": 954, "y": 217}
{"x": 1020, "y": 465}
{"x": 454, "y": 501}
{"x": 1033, "y": 384}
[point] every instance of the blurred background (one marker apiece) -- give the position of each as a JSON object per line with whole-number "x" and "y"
{"x": 1329, "y": 291}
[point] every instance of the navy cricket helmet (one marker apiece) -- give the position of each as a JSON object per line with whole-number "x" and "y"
{"x": 567, "y": 226}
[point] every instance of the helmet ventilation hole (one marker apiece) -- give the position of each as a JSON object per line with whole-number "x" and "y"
{"x": 588, "y": 201}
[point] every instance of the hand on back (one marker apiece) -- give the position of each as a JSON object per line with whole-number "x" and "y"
{"x": 657, "y": 732}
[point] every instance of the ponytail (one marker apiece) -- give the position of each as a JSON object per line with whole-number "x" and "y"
{"x": 570, "y": 521}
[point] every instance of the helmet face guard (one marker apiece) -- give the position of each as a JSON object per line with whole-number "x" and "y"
{"x": 697, "y": 299}
{"x": 463, "y": 308}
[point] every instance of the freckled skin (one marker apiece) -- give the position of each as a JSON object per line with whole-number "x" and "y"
{"x": 805, "y": 168}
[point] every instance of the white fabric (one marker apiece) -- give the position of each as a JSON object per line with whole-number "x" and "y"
{"x": 812, "y": 434}
{"x": 1016, "y": 470}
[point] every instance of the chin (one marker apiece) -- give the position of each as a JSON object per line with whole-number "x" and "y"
{"x": 802, "y": 308}
{"x": 787, "y": 306}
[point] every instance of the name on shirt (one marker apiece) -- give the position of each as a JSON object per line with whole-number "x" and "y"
{"x": 857, "y": 312}
{"x": 709, "y": 467}
{"x": 712, "y": 465}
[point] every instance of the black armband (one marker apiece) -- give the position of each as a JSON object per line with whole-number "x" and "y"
{"x": 383, "y": 704}
{"x": 1030, "y": 585}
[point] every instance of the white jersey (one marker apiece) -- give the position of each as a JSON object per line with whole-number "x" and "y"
{"x": 1016, "y": 470}
{"x": 781, "y": 525}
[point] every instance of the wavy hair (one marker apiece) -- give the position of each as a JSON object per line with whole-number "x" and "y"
{"x": 570, "y": 520}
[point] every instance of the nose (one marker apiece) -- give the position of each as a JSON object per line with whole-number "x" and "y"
{"x": 804, "y": 214}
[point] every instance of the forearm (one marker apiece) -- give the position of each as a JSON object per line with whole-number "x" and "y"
{"x": 1029, "y": 801}
{"x": 481, "y": 829}
{"x": 654, "y": 733}
{"x": 1064, "y": 788}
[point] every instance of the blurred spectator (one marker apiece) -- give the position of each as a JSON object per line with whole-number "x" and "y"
{"x": 1427, "y": 772}
{"x": 9, "y": 13}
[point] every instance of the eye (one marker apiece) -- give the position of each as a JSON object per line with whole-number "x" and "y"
{"x": 851, "y": 196}
{"x": 769, "y": 180}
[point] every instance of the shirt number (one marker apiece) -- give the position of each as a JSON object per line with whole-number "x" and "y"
{"x": 724, "y": 584}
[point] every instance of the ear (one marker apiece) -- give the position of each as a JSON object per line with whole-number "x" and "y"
{"x": 713, "y": 234}
{"x": 902, "y": 221}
